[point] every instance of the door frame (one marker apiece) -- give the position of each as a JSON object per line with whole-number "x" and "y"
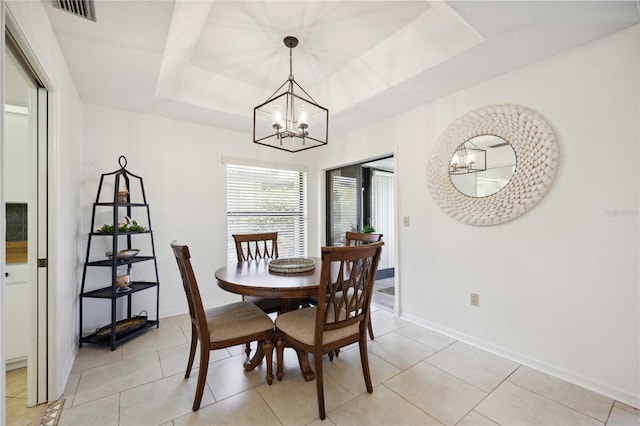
{"x": 3, "y": 373}
{"x": 43, "y": 295}
{"x": 364, "y": 177}
{"x": 362, "y": 198}
{"x": 396, "y": 227}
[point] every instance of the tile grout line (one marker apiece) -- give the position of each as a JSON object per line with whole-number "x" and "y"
{"x": 411, "y": 403}
{"x": 403, "y": 370}
{"x": 119, "y": 407}
{"x": 560, "y": 403}
{"x": 269, "y": 406}
{"x": 123, "y": 390}
{"x": 488, "y": 394}
{"x": 75, "y": 393}
{"x": 609, "y": 413}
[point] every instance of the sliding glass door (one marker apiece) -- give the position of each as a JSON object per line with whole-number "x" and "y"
{"x": 344, "y": 203}
{"x": 360, "y": 197}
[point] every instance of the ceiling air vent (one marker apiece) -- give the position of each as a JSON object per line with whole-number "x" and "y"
{"x": 82, "y": 8}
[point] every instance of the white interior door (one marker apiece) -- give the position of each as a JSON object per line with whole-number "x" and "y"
{"x": 25, "y": 178}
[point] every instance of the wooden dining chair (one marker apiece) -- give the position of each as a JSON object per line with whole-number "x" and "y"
{"x": 357, "y": 239}
{"x": 220, "y": 327}
{"x": 257, "y": 246}
{"x": 327, "y": 327}
{"x": 262, "y": 245}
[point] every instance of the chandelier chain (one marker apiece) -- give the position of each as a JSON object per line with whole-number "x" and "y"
{"x": 290, "y": 63}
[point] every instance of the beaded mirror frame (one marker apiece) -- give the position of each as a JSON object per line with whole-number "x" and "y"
{"x": 536, "y": 151}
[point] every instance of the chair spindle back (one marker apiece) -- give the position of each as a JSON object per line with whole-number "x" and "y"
{"x": 359, "y": 238}
{"x": 256, "y": 246}
{"x": 346, "y": 283}
{"x": 196, "y": 309}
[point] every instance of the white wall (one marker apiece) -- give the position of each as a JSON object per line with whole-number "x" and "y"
{"x": 558, "y": 286}
{"x": 65, "y": 149}
{"x": 185, "y": 183}
{"x": 17, "y": 150}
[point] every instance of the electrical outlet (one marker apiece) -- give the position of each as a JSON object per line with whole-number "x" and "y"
{"x": 405, "y": 221}
{"x": 474, "y": 299}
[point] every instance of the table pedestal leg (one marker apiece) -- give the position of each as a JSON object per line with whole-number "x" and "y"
{"x": 303, "y": 361}
{"x": 305, "y": 367}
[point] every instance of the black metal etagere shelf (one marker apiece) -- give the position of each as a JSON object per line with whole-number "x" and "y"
{"x": 121, "y": 239}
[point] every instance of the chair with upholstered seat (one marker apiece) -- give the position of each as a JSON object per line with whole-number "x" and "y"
{"x": 339, "y": 321}
{"x": 220, "y": 327}
{"x": 263, "y": 245}
{"x": 357, "y": 239}
{"x": 254, "y": 247}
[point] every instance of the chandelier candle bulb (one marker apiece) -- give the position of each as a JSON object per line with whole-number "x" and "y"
{"x": 304, "y": 117}
{"x": 470, "y": 159}
{"x": 277, "y": 117}
{"x": 455, "y": 161}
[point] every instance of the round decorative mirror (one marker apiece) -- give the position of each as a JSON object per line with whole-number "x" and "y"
{"x": 525, "y": 137}
{"x": 482, "y": 166}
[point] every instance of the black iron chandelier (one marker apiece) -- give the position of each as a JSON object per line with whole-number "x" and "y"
{"x": 290, "y": 119}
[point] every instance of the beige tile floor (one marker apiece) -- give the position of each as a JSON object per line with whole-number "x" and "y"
{"x": 18, "y": 414}
{"x": 380, "y": 299}
{"x": 420, "y": 377}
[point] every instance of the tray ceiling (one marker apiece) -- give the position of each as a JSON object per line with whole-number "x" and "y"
{"x": 211, "y": 62}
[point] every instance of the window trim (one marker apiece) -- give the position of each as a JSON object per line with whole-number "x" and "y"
{"x": 292, "y": 241}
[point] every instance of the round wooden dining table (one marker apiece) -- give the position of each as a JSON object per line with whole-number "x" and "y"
{"x": 253, "y": 278}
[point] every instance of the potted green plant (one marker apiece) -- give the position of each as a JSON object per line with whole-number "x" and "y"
{"x": 368, "y": 229}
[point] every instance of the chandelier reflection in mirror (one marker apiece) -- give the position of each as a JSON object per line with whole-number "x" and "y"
{"x": 468, "y": 158}
{"x": 500, "y": 162}
{"x": 290, "y": 119}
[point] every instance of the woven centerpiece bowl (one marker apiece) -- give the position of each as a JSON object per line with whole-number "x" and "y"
{"x": 293, "y": 265}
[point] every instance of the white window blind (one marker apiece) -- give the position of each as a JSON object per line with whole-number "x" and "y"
{"x": 267, "y": 200}
{"x": 344, "y": 208}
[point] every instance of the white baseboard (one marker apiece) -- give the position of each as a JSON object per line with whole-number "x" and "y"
{"x": 171, "y": 313}
{"x": 553, "y": 370}
{"x": 15, "y": 363}
{"x": 67, "y": 367}
{"x": 232, "y": 298}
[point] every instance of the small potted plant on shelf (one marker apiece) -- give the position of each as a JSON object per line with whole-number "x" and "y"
{"x": 128, "y": 225}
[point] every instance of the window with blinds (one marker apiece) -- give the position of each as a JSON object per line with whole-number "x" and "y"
{"x": 344, "y": 207}
{"x": 267, "y": 200}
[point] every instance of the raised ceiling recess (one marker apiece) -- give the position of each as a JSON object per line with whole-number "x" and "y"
{"x": 536, "y": 152}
